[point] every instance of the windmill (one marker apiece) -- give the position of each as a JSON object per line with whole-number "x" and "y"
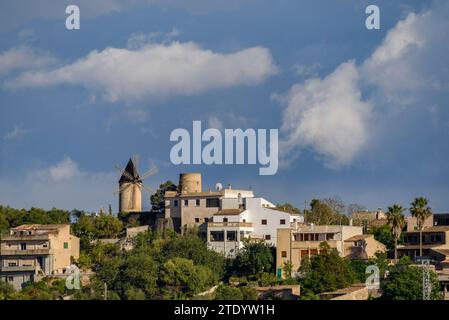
{"x": 131, "y": 184}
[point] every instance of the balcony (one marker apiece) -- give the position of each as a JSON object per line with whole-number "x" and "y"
{"x": 17, "y": 268}
{"x": 24, "y": 237}
{"x": 229, "y": 224}
{"x": 9, "y": 252}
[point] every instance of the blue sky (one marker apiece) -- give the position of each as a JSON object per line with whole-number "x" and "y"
{"x": 362, "y": 114}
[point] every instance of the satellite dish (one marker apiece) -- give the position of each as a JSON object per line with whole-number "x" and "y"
{"x": 218, "y": 186}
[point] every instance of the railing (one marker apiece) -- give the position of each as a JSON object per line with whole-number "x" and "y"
{"x": 24, "y": 237}
{"x": 8, "y": 252}
{"x": 17, "y": 268}
{"x": 229, "y": 224}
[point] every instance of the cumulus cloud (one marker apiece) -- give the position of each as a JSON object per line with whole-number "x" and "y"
{"x": 24, "y": 58}
{"x": 332, "y": 115}
{"x": 412, "y": 59}
{"x": 328, "y": 115}
{"x": 16, "y": 133}
{"x": 64, "y": 170}
{"x": 63, "y": 185}
{"x": 156, "y": 71}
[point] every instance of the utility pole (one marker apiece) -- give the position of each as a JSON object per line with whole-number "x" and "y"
{"x": 426, "y": 285}
{"x": 105, "y": 291}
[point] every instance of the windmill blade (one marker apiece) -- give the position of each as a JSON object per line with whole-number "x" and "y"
{"x": 149, "y": 173}
{"x": 123, "y": 172}
{"x": 122, "y": 188}
{"x": 150, "y": 191}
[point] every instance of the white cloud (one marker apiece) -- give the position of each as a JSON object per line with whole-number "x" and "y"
{"x": 156, "y": 71}
{"x": 63, "y": 185}
{"x": 304, "y": 70}
{"x": 66, "y": 169}
{"x": 327, "y": 115}
{"x": 409, "y": 67}
{"x": 17, "y": 133}
{"x": 412, "y": 59}
{"x": 23, "y": 58}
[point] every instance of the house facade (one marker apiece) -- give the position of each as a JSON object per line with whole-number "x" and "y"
{"x": 190, "y": 206}
{"x": 252, "y": 218}
{"x": 294, "y": 244}
{"x": 31, "y": 252}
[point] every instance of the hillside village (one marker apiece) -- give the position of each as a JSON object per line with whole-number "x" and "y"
{"x": 222, "y": 243}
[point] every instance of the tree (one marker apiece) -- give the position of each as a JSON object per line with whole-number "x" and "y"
{"x": 385, "y": 235}
{"x": 421, "y": 211}
{"x": 326, "y": 271}
{"x": 288, "y": 268}
{"x": 288, "y": 207}
{"x": 396, "y": 220}
{"x": 355, "y": 207}
{"x": 320, "y": 213}
{"x": 139, "y": 271}
{"x": 405, "y": 282}
{"x": 225, "y": 292}
{"x": 107, "y": 226}
{"x": 179, "y": 275}
{"x": 255, "y": 257}
{"x": 6, "y": 290}
{"x": 158, "y": 198}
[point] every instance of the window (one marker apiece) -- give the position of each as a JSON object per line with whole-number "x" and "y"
{"x": 197, "y": 220}
{"x": 186, "y": 203}
{"x": 23, "y": 246}
{"x": 206, "y": 220}
{"x": 216, "y": 236}
{"x": 282, "y": 221}
{"x": 264, "y": 221}
{"x": 197, "y": 202}
{"x": 225, "y": 219}
{"x": 66, "y": 245}
{"x": 231, "y": 235}
{"x": 10, "y": 279}
{"x": 12, "y": 264}
{"x": 175, "y": 203}
{"x": 212, "y": 203}
{"x": 284, "y": 254}
{"x": 267, "y": 237}
{"x": 45, "y": 245}
{"x": 244, "y": 220}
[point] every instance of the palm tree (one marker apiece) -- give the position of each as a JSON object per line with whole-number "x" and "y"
{"x": 421, "y": 211}
{"x": 396, "y": 220}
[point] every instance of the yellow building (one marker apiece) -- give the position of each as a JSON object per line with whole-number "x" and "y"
{"x": 33, "y": 251}
{"x": 294, "y": 244}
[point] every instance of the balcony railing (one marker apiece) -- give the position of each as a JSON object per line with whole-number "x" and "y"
{"x": 9, "y": 252}
{"x": 229, "y": 224}
{"x": 17, "y": 268}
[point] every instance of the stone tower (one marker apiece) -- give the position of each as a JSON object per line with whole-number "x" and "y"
{"x": 130, "y": 194}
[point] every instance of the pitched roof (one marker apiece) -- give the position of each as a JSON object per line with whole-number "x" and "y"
{"x": 130, "y": 171}
{"x": 431, "y": 229}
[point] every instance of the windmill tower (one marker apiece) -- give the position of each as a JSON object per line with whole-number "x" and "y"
{"x": 130, "y": 187}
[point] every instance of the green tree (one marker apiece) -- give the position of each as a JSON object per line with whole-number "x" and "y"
{"x": 140, "y": 271}
{"x": 326, "y": 272}
{"x": 179, "y": 275}
{"x": 421, "y": 211}
{"x": 405, "y": 282}
{"x": 255, "y": 257}
{"x": 385, "y": 235}
{"x": 158, "y": 198}
{"x": 6, "y": 290}
{"x": 225, "y": 292}
{"x": 288, "y": 207}
{"x": 107, "y": 226}
{"x": 396, "y": 220}
{"x": 248, "y": 292}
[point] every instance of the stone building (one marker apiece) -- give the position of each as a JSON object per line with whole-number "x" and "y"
{"x": 33, "y": 251}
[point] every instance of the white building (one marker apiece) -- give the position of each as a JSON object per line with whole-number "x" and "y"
{"x": 241, "y": 217}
